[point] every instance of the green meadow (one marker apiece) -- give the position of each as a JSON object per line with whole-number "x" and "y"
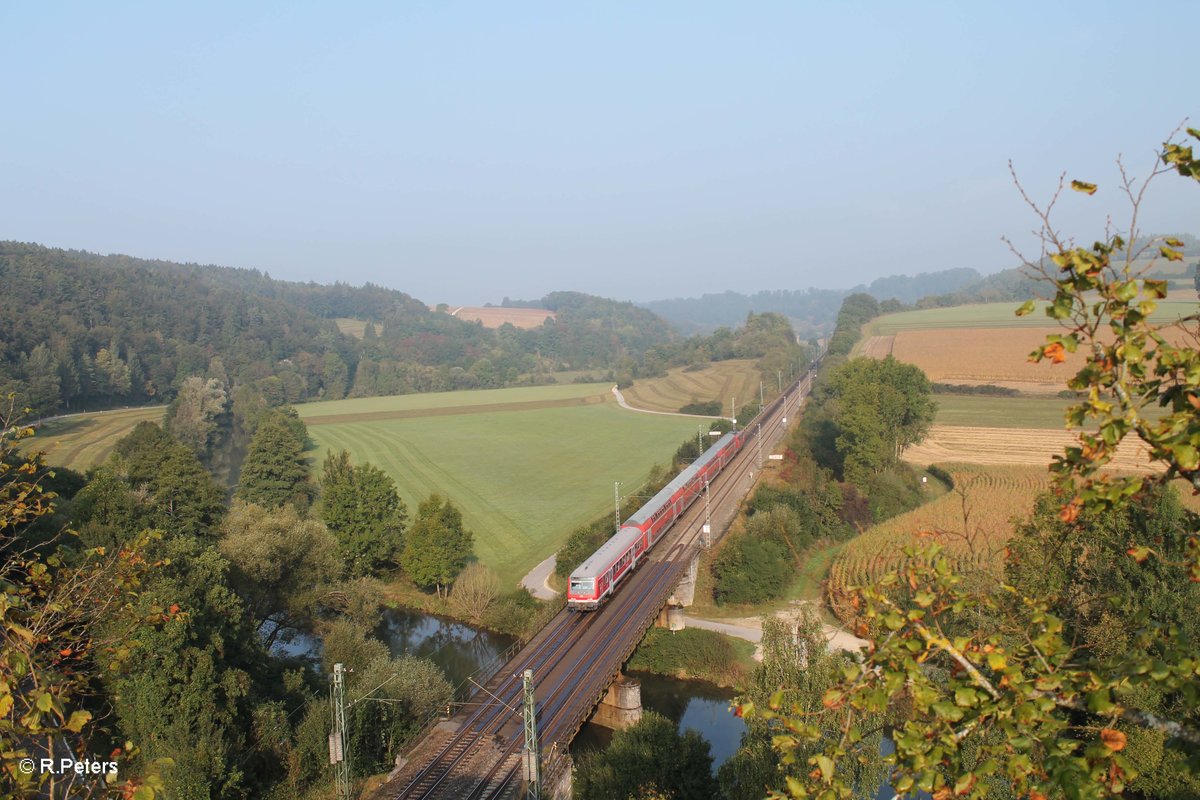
{"x": 525, "y": 465}
{"x": 994, "y": 315}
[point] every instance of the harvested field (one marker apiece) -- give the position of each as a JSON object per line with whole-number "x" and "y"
{"x": 1030, "y": 446}
{"x": 977, "y": 356}
{"x": 874, "y": 347}
{"x": 81, "y": 441}
{"x": 720, "y": 381}
{"x": 973, "y": 522}
{"x": 494, "y": 317}
{"x": 974, "y": 356}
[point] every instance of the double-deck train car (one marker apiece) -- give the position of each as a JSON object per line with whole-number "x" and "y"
{"x": 596, "y": 578}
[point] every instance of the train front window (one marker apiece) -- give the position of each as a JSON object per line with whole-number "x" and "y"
{"x": 581, "y": 586}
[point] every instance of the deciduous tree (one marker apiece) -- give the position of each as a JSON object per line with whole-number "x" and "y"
{"x": 437, "y": 546}
{"x": 364, "y": 511}
{"x": 650, "y": 755}
{"x": 1032, "y": 692}
{"x": 282, "y": 564}
{"x": 53, "y": 647}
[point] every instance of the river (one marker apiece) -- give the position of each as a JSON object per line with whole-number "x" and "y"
{"x": 461, "y": 650}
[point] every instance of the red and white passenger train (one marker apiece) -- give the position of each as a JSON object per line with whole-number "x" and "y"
{"x": 596, "y": 579}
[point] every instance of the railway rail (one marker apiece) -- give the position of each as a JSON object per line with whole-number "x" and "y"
{"x": 576, "y": 657}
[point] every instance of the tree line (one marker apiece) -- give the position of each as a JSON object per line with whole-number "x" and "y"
{"x": 144, "y": 612}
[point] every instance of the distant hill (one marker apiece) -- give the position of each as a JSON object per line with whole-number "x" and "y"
{"x": 811, "y": 311}
{"x": 82, "y": 330}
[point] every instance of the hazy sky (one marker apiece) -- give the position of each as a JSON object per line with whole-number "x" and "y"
{"x": 462, "y": 152}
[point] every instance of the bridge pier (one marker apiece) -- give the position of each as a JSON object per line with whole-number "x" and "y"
{"x": 685, "y": 593}
{"x": 621, "y": 706}
{"x": 671, "y": 618}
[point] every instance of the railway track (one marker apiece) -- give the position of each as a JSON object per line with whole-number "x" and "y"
{"x": 576, "y": 656}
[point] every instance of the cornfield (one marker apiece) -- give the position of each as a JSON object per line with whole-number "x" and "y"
{"x": 973, "y": 522}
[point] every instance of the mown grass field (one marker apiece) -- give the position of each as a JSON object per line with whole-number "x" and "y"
{"x": 1000, "y": 412}
{"x": 721, "y": 381}
{"x": 312, "y": 412}
{"x": 82, "y": 441}
{"x": 1006, "y": 412}
{"x": 526, "y": 465}
{"x": 352, "y": 327}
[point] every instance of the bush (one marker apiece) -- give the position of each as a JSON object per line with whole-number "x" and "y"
{"x": 514, "y": 613}
{"x": 985, "y": 389}
{"x": 751, "y": 569}
{"x": 893, "y": 492}
{"x": 475, "y": 590}
{"x": 689, "y": 653}
{"x": 712, "y": 408}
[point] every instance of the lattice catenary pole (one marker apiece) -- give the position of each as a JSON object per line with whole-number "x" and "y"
{"x": 530, "y": 753}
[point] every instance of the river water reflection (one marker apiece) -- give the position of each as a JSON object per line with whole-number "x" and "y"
{"x": 457, "y": 648}
{"x": 700, "y": 706}
{"x": 460, "y": 651}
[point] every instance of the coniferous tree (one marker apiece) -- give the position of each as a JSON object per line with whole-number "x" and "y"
{"x": 275, "y": 470}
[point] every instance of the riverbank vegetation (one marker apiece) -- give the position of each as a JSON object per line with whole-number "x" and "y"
{"x": 694, "y": 653}
{"x": 1073, "y": 673}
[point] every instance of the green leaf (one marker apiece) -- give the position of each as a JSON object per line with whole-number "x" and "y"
{"x": 1026, "y": 308}
{"x": 825, "y": 764}
{"x": 45, "y": 702}
{"x": 1086, "y": 188}
{"x": 1170, "y": 255}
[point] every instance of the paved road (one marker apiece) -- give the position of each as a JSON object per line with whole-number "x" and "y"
{"x": 623, "y": 404}
{"x": 750, "y": 629}
{"x": 538, "y": 579}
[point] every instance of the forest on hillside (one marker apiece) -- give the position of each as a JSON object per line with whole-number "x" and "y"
{"x": 84, "y": 331}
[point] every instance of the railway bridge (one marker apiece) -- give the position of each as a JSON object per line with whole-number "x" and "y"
{"x": 575, "y": 659}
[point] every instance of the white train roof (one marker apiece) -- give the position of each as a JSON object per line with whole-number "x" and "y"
{"x": 599, "y": 561}
{"x": 659, "y": 500}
